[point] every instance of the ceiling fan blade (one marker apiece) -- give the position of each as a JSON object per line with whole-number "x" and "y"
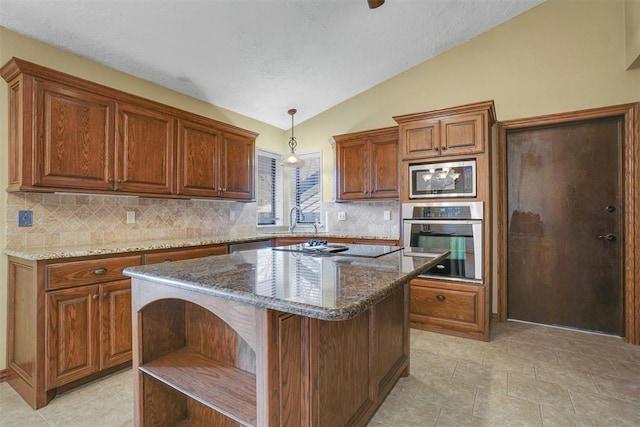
{"x": 375, "y": 3}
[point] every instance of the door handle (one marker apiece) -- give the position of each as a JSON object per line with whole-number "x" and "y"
{"x": 610, "y": 237}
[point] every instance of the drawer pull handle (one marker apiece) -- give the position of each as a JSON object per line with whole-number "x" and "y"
{"x": 441, "y": 297}
{"x": 440, "y": 267}
{"x": 94, "y": 297}
{"x": 99, "y": 271}
{"x": 168, "y": 260}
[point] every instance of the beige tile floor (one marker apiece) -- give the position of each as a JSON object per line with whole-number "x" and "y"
{"x": 528, "y": 375}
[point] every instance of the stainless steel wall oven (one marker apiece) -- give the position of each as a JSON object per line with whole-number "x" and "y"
{"x": 432, "y": 227}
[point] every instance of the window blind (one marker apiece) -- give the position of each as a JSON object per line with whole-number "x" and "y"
{"x": 306, "y": 189}
{"x": 269, "y": 183}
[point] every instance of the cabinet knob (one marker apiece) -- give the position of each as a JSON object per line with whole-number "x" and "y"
{"x": 106, "y": 295}
{"x": 99, "y": 271}
{"x": 94, "y": 297}
{"x": 121, "y": 181}
{"x": 441, "y": 297}
{"x": 444, "y": 148}
{"x": 111, "y": 180}
{"x": 224, "y": 190}
{"x": 435, "y": 148}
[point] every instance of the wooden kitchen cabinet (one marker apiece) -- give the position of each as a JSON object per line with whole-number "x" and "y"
{"x": 74, "y": 144}
{"x": 367, "y": 165}
{"x": 213, "y": 162}
{"x": 452, "y": 132}
{"x": 68, "y": 319}
{"x": 450, "y": 307}
{"x": 186, "y": 253}
{"x": 144, "y": 150}
{"x": 89, "y": 330}
{"x": 69, "y": 134}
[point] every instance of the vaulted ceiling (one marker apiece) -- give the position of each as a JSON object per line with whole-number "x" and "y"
{"x": 259, "y": 58}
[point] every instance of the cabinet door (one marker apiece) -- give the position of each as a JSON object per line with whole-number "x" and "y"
{"x": 353, "y": 171}
{"x": 198, "y": 156}
{"x": 144, "y": 150}
{"x": 116, "y": 336}
{"x": 384, "y": 167}
{"x": 463, "y": 134}
{"x": 236, "y": 167}
{"x": 420, "y": 139}
{"x": 75, "y": 138}
{"x": 72, "y": 330}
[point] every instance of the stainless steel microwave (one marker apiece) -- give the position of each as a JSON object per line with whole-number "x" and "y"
{"x": 436, "y": 180}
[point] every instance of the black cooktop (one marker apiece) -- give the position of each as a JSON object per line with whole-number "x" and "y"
{"x": 323, "y": 248}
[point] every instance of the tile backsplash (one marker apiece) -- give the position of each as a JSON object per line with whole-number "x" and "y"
{"x": 363, "y": 218}
{"x": 65, "y": 219}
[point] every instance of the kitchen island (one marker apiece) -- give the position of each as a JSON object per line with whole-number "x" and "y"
{"x": 270, "y": 337}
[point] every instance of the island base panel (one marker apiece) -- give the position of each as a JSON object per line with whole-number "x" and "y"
{"x": 299, "y": 371}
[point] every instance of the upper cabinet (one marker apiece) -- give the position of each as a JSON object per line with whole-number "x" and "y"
{"x": 144, "y": 150}
{"x": 68, "y": 134}
{"x": 73, "y": 145}
{"x": 367, "y": 165}
{"x": 236, "y": 166}
{"x": 449, "y": 132}
{"x": 213, "y": 162}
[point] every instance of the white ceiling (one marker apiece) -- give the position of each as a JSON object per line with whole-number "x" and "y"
{"x": 259, "y": 58}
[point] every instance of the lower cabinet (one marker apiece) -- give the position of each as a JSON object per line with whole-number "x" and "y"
{"x": 69, "y": 320}
{"x": 454, "y": 308}
{"x": 89, "y": 329}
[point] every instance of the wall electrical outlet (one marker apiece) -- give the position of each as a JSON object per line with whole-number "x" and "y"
{"x": 25, "y": 218}
{"x": 387, "y": 215}
{"x": 131, "y": 217}
{"x": 342, "y": 216}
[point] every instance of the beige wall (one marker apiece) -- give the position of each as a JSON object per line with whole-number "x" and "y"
{"x": 632, "y": 33}
{"x": 561, "y": 56}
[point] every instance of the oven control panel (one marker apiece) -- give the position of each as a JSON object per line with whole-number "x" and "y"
{"x": 442, "y": 210}
{"x": 451, "y": 212}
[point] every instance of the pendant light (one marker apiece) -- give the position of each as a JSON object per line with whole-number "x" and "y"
{"x": 292, "y": 160}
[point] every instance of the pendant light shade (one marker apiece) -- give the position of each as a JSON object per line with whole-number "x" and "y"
{"x": 292, "y": 160}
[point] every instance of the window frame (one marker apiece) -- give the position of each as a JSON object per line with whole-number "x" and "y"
{"x": 277, "y": 188}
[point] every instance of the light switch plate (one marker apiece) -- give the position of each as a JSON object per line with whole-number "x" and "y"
{"x": 131, "y": 217}
{"x": 387, "y": 215}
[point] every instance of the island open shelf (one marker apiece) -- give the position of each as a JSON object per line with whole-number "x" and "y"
{"x": 201, "y": 357}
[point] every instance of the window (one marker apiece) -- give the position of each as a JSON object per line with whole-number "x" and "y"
{"x": 305, "y": 185}
{"x": 269, "y": 188}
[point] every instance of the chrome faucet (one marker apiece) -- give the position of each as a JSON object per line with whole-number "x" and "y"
{"x": 292, "y": 222}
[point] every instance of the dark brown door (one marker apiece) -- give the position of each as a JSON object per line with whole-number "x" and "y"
{"x": 564, "y": 225}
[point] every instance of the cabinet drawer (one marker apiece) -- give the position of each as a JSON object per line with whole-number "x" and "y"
{"x": 181, "y": 254}
{"x": 67, "y": 274}
{"x": 445, "y": 304}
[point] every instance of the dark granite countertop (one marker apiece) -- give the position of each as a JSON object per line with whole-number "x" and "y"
{"x": 319, "y": 286}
